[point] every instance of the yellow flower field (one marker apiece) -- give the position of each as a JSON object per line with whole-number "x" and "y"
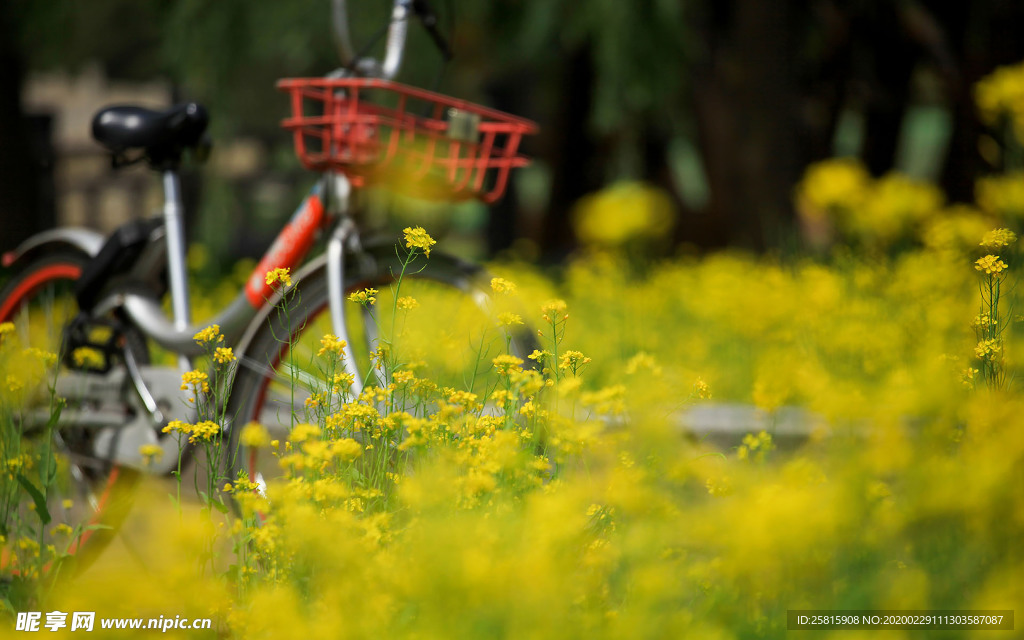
{"x": 596, "y": 486}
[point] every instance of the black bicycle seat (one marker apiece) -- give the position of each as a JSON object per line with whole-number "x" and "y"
{"x": 160, "y": 133}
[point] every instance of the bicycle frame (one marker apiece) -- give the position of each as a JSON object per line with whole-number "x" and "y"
{"x": 327, "y": 204}
{"x": 325, "y": 207}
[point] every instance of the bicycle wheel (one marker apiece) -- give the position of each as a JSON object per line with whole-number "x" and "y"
{"x": 449, "y": 336}
{"x": 60, "y": 504}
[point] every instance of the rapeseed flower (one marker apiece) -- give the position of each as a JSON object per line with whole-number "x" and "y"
{"x": 177, "y": 426}
{"x": 365, "y": 297}
{"x": 204, "y": 431}
{"x": 279, "y": 275}
{"x": 507, "y": 319}
{"x": 87, "y": 357}
{"x": 573, "y": 361}
{"x": 418, "y": 238}
{"x": 988, "y": 349}
{"x": 407, "y": 302}
{"x": 209, "y": 335}
{"x": 501, "y": 285}
{"x": 998, "y": 238}
{"x": 990, "y": 264}
{"x": 254, "y": 435}
{"x": 223, "y": 355}
{"x": 150, "y": 452}
{"x": 331, "y": 343}
{"x": 505, "y": 364}
{"x": 197, "y": 380}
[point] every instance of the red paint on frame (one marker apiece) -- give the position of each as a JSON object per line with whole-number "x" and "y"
{"x": 288, "y": 250}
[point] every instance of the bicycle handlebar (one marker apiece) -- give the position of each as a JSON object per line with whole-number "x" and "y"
{"x": 398, "y": 29}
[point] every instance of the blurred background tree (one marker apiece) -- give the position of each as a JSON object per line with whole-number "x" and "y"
{"x": 720, "y": 103}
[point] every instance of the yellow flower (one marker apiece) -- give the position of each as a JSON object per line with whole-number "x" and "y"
{"x": 6, "y": 327}
{"x": 553, "y": 307}
{"x": 48, "y": 358}
{"x": 968, "y": 376}
{"x": 346, "y": 449}
{"x": 998, "y": 238}
{"x": 365, "y": 297}
{"x": 402, "y": 377}
{"x": 63, "y": 529}
{"x": 13, "y": 383}
{"x": 501, "y": 397}
{"x": 573, "y": 361}
{"x": 506, "y": 364}
{"x": 990, "y": 264}
{"x": 407, "y": 302}
{"x": 838, "y": 183}
{"x": 759, "y": 444}
{"x": 314, "y": 401}
{"x": 509, "y": 319}
{"x": 209, "y": 335}
{"x": 197, "y": 379}
{"x": 342, "y": 381}
{"x": 150, "y": 452}
{"x": 330, "y": 343}
{"x": 281, "y": 274}
{"x": 417, "y": 238}
{"x": 204, "y": 431}
{"x": 983, "y": 321}
{"x": 177, "y": 426}
{"x": 224, "y": 355}
{"x": 539, "y": 356}
{"x": 501, "y": 285}
{"x": 701, "y": 389}
{"x": 643, "y": 361}
{"x": 599, "y": 218}
{"x": 87, "y": 357}
{"x": 254, "y": 435}
{"x": 464, "y": 398}
{"x": 554, "y": 310}
{"x": 988, "y": 349}
{"x": 304, "y": 431}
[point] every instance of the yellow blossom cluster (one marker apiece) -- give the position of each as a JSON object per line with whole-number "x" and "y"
{"x": 365, "y": 297}
{"x": 280, "y": 275}
{"x": 418, "y": 238}
{"x": 1002, "y": 93}
{"x": 196, "y": 380}
{"x": 332, "y": 344}
{"x": 990, "y": 264}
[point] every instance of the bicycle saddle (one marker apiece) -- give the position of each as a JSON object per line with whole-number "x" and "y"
{"x": 159, "y": 133}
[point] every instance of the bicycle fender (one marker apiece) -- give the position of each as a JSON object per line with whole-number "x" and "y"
{"x": 85, "y": 240}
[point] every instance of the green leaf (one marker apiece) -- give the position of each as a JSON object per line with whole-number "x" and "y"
{"x": 37, "y": 497}
{"x": 55, "y": 411}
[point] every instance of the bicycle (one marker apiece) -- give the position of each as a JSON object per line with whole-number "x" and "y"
{"x": 75, "y": 292}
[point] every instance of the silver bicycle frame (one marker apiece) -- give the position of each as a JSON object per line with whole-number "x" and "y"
{"x": 174, "y": 225}
{"x": 239, "y": 320}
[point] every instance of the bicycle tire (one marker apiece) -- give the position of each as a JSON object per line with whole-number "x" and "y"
{"x": 99, "y": 491}
{"x": 249, "y": 397}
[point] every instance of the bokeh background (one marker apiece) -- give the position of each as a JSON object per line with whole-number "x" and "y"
{"x": 718, "y": 105}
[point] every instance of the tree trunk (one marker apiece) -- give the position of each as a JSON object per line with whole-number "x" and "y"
{"x": 746, "y": 106}
{"x": 24, "y": 205}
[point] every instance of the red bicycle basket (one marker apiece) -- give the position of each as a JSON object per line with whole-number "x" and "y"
{"x": 378, "y": 131}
